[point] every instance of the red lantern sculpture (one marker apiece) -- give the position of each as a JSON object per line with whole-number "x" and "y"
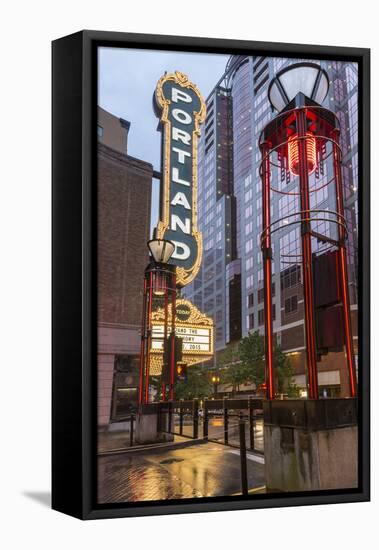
{"x": 159, "y": 285}
{"x": 296, "y": 146}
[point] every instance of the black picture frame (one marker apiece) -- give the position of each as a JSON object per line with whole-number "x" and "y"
{"x": 74, "y": 335}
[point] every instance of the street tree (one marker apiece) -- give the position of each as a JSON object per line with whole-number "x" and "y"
{"x": 234, "y": 375}
{"x": 197, "y": 385}
{"x": 251, "y": 353}
{"x": 283, "y": 372}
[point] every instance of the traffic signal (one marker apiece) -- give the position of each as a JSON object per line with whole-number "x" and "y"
{"x": 178, "y": 349}
{"x": 181, "y": 372}
{"x": 176, "y": 343}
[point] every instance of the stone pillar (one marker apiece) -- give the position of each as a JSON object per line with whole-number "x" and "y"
{"x": 311, "y": 444}
{"x": 105, "y": 367}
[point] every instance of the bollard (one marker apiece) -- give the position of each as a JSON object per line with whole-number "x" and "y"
{"x": 159, "y": 422}
{"x": 169, "y": 417}
{"x": 226, "y": 422}
{"x": 131, "y": 430}
{"x": 195, "y": 415}
{"x": 251, "y": 424}
{"x": 181, "y": 417}
{"x": 244, "y": 485}
{"x": 205, "y": 421}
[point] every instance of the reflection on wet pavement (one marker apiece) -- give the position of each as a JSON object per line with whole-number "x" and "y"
{"x": 216, "y": 430}
{"x": 199, "y": 471}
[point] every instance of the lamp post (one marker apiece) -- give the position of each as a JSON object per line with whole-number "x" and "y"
{"x": 295, "y": 145}
{"x": 159, "y": 284}
{"x": 216, "y": 381}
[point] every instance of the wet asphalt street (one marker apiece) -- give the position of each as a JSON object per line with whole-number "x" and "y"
{"x": 202, "y": 470}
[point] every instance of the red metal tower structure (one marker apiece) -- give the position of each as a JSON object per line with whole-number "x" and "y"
{"x": 296, "y": 145}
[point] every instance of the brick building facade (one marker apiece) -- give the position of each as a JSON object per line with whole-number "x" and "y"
{"x": 124, "y": 204}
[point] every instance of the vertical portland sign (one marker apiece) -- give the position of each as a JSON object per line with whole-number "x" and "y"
{"x": 181, "y": 110}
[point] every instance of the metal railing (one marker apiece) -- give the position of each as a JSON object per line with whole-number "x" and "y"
{"x": 217, "y": 420}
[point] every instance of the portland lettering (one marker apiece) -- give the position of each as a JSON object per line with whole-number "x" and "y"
{"x": 181, "y": 110}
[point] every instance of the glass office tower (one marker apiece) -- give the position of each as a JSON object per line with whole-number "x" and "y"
{"x": 229, "y": 286}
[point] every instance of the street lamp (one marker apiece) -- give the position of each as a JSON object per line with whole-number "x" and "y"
{"x": 159, "y": 283}
{"x": 307, "y": 78}
{"x": 161, "y": 250}
{"x": 215, "y": 380}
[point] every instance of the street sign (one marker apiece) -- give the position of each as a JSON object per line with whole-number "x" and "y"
{"x": 181, "y": 109}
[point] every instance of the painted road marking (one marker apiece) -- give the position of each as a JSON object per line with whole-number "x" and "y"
{"x": 255, "y": 458}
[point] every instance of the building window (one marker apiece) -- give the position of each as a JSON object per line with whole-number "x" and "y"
{"x": 250, "y": 299}
{"x": 261, "y": 317}
{"x": 249, "y": 246}
{"x": 209, "y": 275}
{"x": 248, "y": 212}
{"x": 290, "y": 304}
{"x": 249, "y": 264}
{"x": 198, "y": 300}
{"x": 208, "y": 306}
{"x": 248, "y": 228}
{"x": 208, "y": 291}
{"x": 290, "y": 277}
{"x": 248, "y": 195}
{"x": 197, "y": 284}
{"x": 100, "y": 131}
{"x": 261, "y": 295}
{"x": 219, "y": 316}
{"x": 251, "y": 321}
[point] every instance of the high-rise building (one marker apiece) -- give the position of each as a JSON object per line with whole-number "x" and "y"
{"x": 230, "y": 284}
{"x": 124, "y": 203}
{"x": 217, "y": 287}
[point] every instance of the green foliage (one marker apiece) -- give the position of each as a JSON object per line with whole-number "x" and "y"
{"x": 251, "y": 352}
{"x": 228, "y": 355}
{"x": 283, "y": 370}
{"x": 234, "y": 375}
{"x": 244, "y": 363}
{"x": 197, "y": 385}
{"x": 156, "y": 383}
{"x": 293, "y": 390}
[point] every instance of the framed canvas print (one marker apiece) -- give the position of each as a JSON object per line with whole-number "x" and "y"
{"x": 210, "y": 274}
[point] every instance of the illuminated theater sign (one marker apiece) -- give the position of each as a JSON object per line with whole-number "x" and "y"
{"x": 181, "y": 110}
{"x": 195, "y": 328}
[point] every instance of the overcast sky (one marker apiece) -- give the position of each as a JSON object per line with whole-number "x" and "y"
{"x": 127, "y": 80}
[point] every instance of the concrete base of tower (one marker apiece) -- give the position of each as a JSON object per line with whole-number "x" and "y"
{"x": 150, "y": 428}
{"x": 311, "y": 444}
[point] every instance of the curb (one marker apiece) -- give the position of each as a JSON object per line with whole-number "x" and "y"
{"x": 155, "y": 446}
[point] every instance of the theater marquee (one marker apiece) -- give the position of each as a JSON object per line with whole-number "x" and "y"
{"x": 181, "y": 110}
{"x": 195, "y": 328}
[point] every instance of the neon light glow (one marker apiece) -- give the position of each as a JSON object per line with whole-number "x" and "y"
{"x": 293, "y": 154}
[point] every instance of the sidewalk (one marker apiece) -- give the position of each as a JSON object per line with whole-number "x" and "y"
{"x": 115, "y": 440}
{"x": 204, "y": 470}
